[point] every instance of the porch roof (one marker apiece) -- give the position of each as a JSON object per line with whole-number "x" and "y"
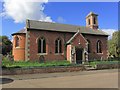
{"x": 71, "y": 39}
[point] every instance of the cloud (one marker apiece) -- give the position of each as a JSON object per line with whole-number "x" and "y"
{"x": 109, "y": 32}
{"x": 19, "y": 10}
{"x": 61, "y": 20}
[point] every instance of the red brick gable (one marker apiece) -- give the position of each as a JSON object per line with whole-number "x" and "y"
{"x": 78, "y": 40}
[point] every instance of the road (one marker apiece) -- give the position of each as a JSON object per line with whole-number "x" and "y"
{"x": 82, "y": 79}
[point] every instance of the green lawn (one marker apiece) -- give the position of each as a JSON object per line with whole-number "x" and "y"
{"x": 93, "y": 63}
{"x": 21, "y": 64}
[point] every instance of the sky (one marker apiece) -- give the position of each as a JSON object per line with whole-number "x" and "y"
{"x": 14, "y": 14}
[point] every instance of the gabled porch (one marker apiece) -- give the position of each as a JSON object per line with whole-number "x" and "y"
{"x": 77, "y": 49}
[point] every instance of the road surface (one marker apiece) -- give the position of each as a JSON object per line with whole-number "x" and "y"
{"x": 82, "y": 79}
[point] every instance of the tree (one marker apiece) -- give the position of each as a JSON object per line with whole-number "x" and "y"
{"x": 114, "y": 44}
{"x": 5, "y": 45}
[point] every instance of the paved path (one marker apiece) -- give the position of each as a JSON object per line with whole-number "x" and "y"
{"x": 84, "y": 79}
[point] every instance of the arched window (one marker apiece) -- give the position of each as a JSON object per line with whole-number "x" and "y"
{"x": 88, "y": 21}
{"x": 89, "y": 46}
{"x": 99, "y": 46}
{"x": 58, "y": 46}
{"x": 41, "y": 45}
{"x": 94, "y": 20}
{"x": 17, "y": 42}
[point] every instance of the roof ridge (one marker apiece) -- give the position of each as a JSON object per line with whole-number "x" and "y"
{"x": 58, "y": 27}
{"x": 57, "y": 23}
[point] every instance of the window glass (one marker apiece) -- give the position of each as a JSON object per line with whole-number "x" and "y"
{"x": 99, "y": 46}
{"x": 41, "y": 45}
{"x": 58, "y": 46}
{"x": 17, "y": 42}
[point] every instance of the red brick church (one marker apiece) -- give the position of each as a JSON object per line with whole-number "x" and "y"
{"x": 45, "y": 41}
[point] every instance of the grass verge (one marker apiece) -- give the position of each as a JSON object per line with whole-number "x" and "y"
{"x": 94, "y": 63}
{"x": 21, "y": 64}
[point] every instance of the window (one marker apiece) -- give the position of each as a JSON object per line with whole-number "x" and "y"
{"x": 89, "y": 46}
{"x": 99, "y": 46}
{"x": 17, "y": 42}
{"x": 41, "y": 45}
{"x": 94, "y": 20}
{"x": 58, "y": 46}
{"x": 88, "y": 21}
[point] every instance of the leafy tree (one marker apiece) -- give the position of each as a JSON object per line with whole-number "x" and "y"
{"x": 114, "y": 44}
{"x": 5, "y": 45}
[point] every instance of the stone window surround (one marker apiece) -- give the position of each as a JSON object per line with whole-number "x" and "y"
{"x": 99, "y": 47}
{"x": 42, "y": 46}
{"x": 58, "y": 46}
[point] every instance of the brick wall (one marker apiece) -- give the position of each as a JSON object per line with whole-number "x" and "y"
{"x": 93, "y": 40}
{"x": 19, "y": 52}
{"x": 69, "y": 53}
{"x": 50, "y": 44}
{"x": 79, "y": 39}
{"x": 34, "y": 70}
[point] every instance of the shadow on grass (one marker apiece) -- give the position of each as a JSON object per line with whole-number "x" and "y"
{"x": 5, "y": 80}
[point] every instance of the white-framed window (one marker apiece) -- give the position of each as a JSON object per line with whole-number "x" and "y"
{"x": 41, "y": 45}
{"x": 58, "y": 45}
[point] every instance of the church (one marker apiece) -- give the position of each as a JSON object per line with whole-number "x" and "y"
{"x": 46, "y": 41}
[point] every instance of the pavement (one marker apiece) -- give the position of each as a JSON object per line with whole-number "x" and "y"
{"x": 81, "y": 79}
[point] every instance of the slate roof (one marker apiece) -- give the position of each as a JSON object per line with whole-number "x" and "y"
{"x": 19, "y": 32}
{"x": 49, "y": 26}
{"x": 32, "y": 24}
